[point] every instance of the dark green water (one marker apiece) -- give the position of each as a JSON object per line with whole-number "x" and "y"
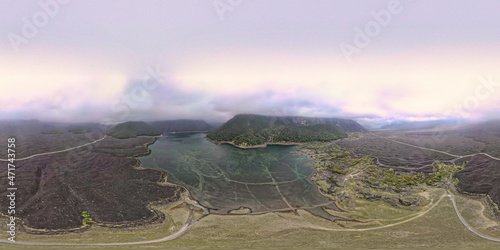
{"x": 224, "y": 178}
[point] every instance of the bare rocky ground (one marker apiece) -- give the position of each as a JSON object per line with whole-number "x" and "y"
{"x": 481, "y": 174}
{"x": 377, "y": 166}
{"x": 53, "y": 190}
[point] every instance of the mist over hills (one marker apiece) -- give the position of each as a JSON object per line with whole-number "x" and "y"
{"x": 182, "y": 125}
{"x": 133, "y": 129}
{"x": 408, "y": 125}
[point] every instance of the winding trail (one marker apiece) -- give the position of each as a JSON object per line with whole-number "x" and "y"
{"x": 59, "y": 151}
{"x": 187, "y": 225}
{"x": 380, "y": 227}
{"x": 485, "y": 154}
{"x": 450, "y": 195}
{"x": 439, "y": 151}
{"x": 190, "y": 223}
{"x": 173, "y": 236}
{"x": 466, "y": 225}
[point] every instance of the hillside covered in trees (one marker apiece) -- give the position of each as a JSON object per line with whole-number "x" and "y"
{"x": 132, "y": 130}
{"x": 182, "y": 125}
{"x": 249, "y": 130}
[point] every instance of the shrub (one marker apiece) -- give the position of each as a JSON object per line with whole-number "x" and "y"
{"x": 337, "y": 171}
{"x": 87, "y": 220}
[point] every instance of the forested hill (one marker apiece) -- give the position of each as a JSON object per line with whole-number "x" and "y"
{"x": 251, "y": 130}
{"x": 132, "y": 130}
{"x": 182, "y": 125}
{"x": 345, "y": 125}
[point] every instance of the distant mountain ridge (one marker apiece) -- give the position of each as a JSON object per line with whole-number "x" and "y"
{"x": 133, "y": 129}
{"x": 345, "y": 125}
{"x": 181, "y": 125}
{"x": 250, "y": 130}
{"x": 409, "y": 125}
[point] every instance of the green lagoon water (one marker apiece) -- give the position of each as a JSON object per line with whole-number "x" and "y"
{"x": 224, "y": 178}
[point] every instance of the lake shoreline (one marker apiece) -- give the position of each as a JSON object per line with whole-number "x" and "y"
{"x": 255, "y": 146}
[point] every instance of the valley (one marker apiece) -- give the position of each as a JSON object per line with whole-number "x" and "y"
{"x": 369, "y": 182}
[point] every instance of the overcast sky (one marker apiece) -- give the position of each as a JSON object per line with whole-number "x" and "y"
{"x": 373, "y": 61}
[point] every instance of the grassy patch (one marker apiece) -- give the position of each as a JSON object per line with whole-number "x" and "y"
{"x": 176, "y": 215}
{"x": 323, "y": 185}
{"x": 479, "y": 214}
{"x": 439, "y": 228}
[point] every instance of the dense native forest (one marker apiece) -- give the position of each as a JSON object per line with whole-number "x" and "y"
{"x": 254, "y": 130}
{"x": 132, "y": 130}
